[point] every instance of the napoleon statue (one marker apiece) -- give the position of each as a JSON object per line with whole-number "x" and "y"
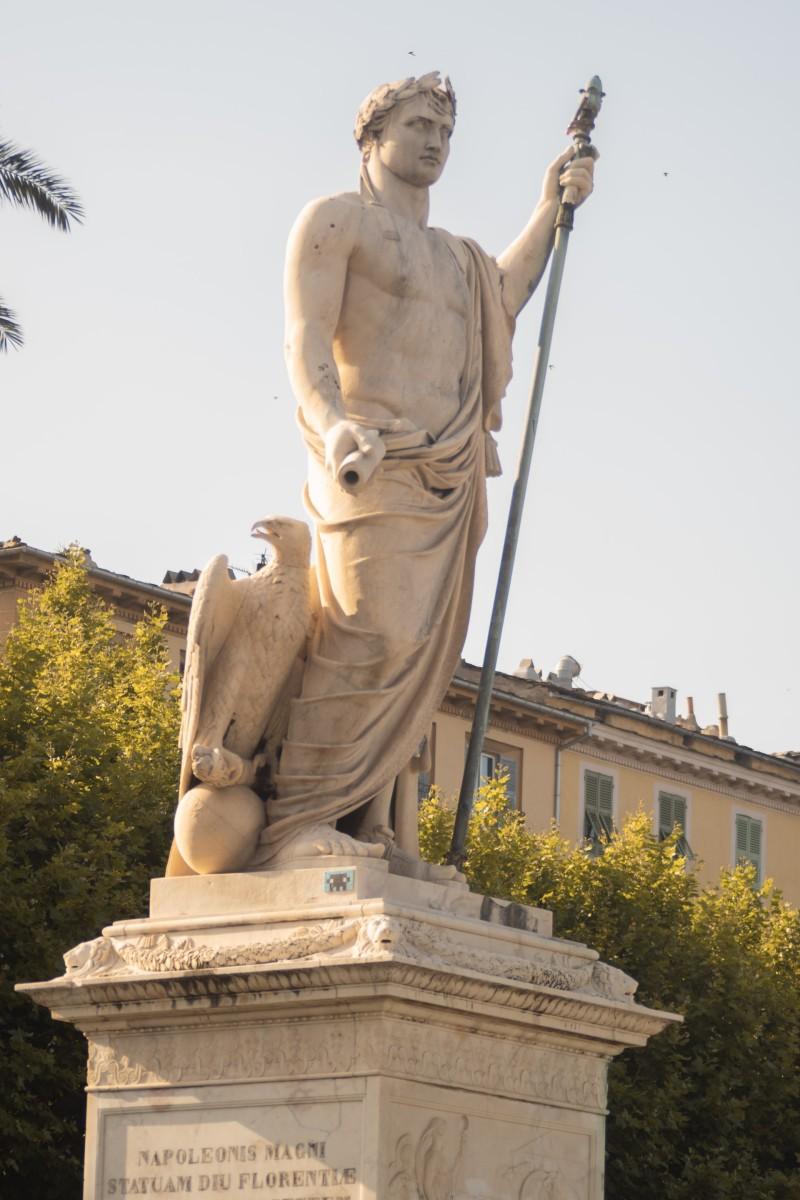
{"x": 398, "y": 346}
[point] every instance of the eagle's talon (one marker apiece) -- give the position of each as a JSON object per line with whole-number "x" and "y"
{"x": 216, "y": 766}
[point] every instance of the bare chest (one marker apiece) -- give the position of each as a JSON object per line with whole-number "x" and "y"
{"x": 406, "y": 263}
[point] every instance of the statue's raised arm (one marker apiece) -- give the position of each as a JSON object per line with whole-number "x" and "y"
{"x": 524, "y": 261}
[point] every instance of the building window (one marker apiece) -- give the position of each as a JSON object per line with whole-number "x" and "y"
{"x": 498, "y": 759}
{"x": 749, "y": 842}
{"x": 598, "y": 808}
{"x": 672, "y": 812}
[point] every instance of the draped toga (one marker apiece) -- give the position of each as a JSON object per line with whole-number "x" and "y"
{"x": 395, "y": 565}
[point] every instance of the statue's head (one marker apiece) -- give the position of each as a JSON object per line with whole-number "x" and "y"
{"x": 375, "y": 109}
{"x": 409, "y": 124}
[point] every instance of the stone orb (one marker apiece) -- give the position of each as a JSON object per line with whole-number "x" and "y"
{"x": 217, "y": 829}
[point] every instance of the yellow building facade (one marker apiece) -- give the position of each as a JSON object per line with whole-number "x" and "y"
{"x": 24, "y": 568}
{"x": 588, "y": 761}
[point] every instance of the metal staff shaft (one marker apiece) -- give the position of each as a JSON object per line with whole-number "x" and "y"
{"x": 580, "y": 128}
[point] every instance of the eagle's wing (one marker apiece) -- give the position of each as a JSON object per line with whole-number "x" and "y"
{"x": 290, "y": 681}
{"x": 293, "y": 685}
{"x": 216, "y": 602}
{"x": 278, "y": 722}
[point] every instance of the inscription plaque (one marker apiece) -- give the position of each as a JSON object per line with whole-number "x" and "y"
{"x": 280, "y": 1151}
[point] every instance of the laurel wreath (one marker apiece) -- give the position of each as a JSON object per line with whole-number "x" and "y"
{"x": 379, "y": 103}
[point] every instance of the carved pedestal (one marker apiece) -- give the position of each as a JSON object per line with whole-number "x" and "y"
{"x": 339, "y": 1033}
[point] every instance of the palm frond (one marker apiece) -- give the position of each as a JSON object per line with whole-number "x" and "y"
{"x": 30, "y": 184}
{"x": 10, "y": 332}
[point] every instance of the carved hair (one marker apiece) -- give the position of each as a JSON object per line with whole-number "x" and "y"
{"x": 374, "y": 111}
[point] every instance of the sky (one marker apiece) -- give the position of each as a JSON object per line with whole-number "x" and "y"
{"x": 149, "y": 416}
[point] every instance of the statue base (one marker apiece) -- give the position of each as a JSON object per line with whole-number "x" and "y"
{"x": 337, "y": 1032}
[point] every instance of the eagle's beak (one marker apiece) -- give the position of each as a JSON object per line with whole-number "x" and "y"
{"x": 263, "y": 529}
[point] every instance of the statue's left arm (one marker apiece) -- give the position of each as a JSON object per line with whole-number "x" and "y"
{"x": 524, "y": 261}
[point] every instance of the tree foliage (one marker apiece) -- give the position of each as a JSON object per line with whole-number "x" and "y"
{"x": 88, "y": 763}
{"x": 708, "y": 1109}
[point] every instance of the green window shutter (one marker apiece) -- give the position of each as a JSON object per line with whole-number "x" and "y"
{"x": 606, "y": 804}
{"x": 680, "y": 812}
{"x": 508, "y": 766}
{"x": 749, "y": 835}
{"x": 605, "y": 796}
{"x": 742, "y": 838}
{"x": 671, "y": 812}
{"x": 755, "y": 848}
{"x": 598, "y": 803}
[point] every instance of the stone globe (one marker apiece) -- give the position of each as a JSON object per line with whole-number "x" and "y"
{"x": 217, "y": 829}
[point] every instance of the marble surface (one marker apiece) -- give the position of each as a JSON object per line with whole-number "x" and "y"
{"x": 343, "y": 1033}
{"x": 325, "y": 882}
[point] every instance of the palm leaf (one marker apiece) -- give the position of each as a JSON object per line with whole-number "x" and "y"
{"x": 27, "y": 182}
{"x": 10, "y": 332}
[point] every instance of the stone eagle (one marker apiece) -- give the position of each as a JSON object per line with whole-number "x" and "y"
{"x": 246, "y": 647}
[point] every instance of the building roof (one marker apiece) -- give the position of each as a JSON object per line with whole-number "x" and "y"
{"x": 18, "y": 559}
{"x": 562, "y": 712}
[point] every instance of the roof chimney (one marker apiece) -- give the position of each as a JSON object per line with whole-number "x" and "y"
{"x": 662, "y": 704}
{"x": 690, "y": 720}
{"x": 567, "y": 669}
{"x": 722, "y": 709}
{"x": 526, "y": 670}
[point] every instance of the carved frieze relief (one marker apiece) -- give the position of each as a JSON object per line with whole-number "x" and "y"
{"x": 160, "y": 952}
{"x": 441, "y": 1055}
{"x": 241, "y": 1053}
{"x": 494, "y": 1066}
{"x": 381, "y": 936}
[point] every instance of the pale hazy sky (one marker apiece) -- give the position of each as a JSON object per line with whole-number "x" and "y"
{"x": 149, "y": 416}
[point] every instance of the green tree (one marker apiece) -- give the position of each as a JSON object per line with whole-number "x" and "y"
{"x": 710, "y": 1108}
{"x": 26, "y": 182}
{"x": 88, "y": 763}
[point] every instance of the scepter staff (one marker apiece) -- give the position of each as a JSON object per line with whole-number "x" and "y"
{"x": 580, "y": 130}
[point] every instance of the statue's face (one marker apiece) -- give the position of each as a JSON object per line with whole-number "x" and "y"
{"x": 415, "y": 141}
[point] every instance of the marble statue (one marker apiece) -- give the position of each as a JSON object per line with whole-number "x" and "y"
{"x": 398, "y": 346}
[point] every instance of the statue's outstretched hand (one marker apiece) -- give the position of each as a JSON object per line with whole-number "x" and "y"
{"x": 352, "y": 454}
{"x": 574, "y": 175}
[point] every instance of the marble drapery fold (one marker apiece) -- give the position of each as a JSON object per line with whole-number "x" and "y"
{"x": 395, "y": 566}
